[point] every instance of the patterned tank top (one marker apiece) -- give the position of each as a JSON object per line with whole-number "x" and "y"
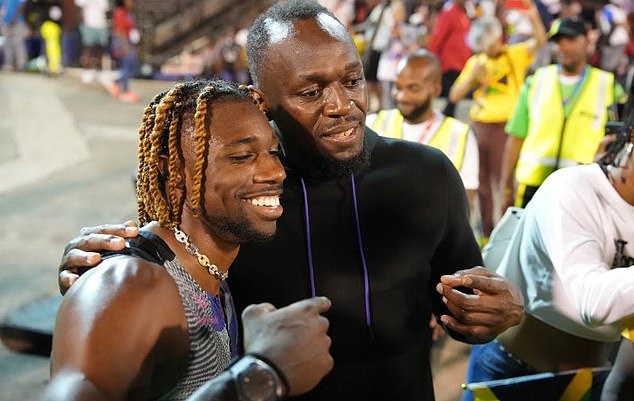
{"x": 212, "y": 324}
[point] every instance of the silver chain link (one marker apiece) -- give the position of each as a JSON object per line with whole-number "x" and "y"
{"x": 203, "y": 260}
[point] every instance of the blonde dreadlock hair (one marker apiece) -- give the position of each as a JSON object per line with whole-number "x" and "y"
{"x": 168, "y": 117}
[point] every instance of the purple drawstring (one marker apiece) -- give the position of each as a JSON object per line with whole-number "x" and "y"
{"x": 311, "y": 268}
{"x": 366, "y": 278}
{"x": 309, "y": 242}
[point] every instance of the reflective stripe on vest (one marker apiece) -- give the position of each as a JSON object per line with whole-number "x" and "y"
{"x": 584, "y": 126}
{"x": 450, "y": 137}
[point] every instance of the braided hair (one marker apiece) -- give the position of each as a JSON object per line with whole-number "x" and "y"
{"x": 624, "y": 131}
{"x": 185, "y": 109}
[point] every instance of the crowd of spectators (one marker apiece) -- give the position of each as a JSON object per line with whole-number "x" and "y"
{"x": 383, "y": 30}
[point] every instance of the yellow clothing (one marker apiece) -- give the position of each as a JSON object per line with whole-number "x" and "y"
{"x": 555, "y": 141}
{"x": 51, "y": 33}
{"x": 494, "y": 99}
{"x": 450, "y": 137}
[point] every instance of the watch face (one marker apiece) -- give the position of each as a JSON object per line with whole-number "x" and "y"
{"x": 258, "y": 384}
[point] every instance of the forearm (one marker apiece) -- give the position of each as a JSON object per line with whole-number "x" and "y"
{"x": 539, "y": 32}
{"x": 603, "y": 295}
{"x": 72, "y": 386}
{"x": 460, "y": 89}
{"x": 512, "y": 149}
{"x": 75, "y": 387}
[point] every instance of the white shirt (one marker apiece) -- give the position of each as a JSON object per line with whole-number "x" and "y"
{"x": 619, "y": 36}
{"x": 424, "y": 132}
{"x": 94, "y": 12}
{"x": 562, "y": 252}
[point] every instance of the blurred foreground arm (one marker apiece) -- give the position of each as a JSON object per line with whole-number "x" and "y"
{"x": 293, "y": 340}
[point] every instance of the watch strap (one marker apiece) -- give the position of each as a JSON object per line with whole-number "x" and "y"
{"x": 273, "y": 366}
{"x": 240, "y": 365}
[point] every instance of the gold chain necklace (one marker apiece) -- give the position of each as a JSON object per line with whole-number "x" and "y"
{"x": 203, "y": 260}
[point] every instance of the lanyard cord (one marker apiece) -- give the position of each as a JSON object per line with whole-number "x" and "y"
{"x": 575, "y": 89}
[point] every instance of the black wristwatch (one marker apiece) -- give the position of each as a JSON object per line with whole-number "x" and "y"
{"x": 257, "y": 380}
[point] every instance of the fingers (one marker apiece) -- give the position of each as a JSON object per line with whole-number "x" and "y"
{"x": 494, "y": 306}
{"x": 315, "y": 304}
{"x": 129, "y": 229}
{"x": 76, "y": 258}
{"x": 476, "y": 333}
{"x": 83, "y": 251}
{"x": 458, "y": 301}
{"x": 97, "y": 242}
{"x": 65, "y": 280}
{"x": 253, "y": 311}
{"x": 477, "y": 278}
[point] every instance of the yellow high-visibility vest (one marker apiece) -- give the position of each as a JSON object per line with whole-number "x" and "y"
{"x": 450, "y": 137}
{"x": 554, "y": 140}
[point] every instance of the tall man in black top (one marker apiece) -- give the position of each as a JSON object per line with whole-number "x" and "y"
{"x": 378, "y": 225}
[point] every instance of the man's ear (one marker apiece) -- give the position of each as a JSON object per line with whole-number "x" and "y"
{"x": 259, "y": 100}
{"x": 437, "y": 89}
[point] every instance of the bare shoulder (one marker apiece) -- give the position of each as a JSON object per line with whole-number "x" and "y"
{"x": 124, "y": 278}
{"x": 125, "y": 295}
{"x": 124, "y": 285}
{"x": 111, "y": 325}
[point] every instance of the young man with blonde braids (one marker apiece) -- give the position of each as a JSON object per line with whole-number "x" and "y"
{"x": 157, "y": 320}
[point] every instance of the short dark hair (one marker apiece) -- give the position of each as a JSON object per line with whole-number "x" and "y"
{"x": 284, "y": 12}
{"x": 422, "y": 55}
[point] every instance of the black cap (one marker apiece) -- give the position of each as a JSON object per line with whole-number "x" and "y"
{"x": 569, "y": 27}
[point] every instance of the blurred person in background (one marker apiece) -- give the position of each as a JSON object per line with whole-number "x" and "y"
{"x": 125, "y": 38}
{"x": 495, "y": 74}
{"x": 51, "y": 32}
{"x": 15, "y": 32}
{"x": 448, "y": 41}
{"x": 572, "y": 256}
{"x": 94, "y": 36}
{"x": 560, "y": 116}
{"x": 402, "y": 42}
{"x": 614, "y": 36}
{"x": 418, "y": 84}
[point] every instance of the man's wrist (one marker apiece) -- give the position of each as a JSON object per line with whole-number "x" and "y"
{"x": 257, "y": 379}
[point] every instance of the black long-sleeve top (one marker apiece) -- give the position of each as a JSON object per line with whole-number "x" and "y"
{"x": 414, "y": 227}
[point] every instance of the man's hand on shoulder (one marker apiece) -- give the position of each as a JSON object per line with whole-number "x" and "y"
{"x": 82, "y": 252}
{"x": 489, "y": 305}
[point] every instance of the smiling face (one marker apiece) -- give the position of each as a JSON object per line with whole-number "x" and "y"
{"x": 315, "y": 90}
{"x": 243, "y": 178}
{"x": 417, "y": 85}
